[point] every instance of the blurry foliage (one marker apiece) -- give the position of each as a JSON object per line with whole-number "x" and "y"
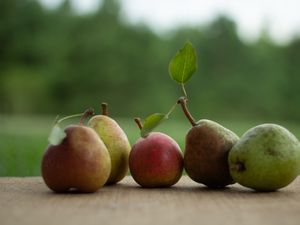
{"x": 56, "y": 61}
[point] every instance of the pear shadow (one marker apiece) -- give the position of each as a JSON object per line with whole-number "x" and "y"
{"x": 237, "y": 190}
{"x": 50, "y": 193}
{"x": 140, "y": 189}
{"x": 75, "y": 192}
{"x": 193, "y": 187}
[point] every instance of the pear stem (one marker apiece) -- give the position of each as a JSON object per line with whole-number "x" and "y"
{"x": 171, "y": 110}
{"x": 138, "y": 122}
{"x": 87, "y": 113}
{"x": 182, "y": 101}
{"x": 104, "y": 107}
{"x": 183, "y": 89}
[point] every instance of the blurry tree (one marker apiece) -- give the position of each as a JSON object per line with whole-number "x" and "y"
{"x": 291, "y": 103}
{"x": 58, "y": 61}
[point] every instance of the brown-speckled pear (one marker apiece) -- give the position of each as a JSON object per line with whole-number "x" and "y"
{"x": 116, "y": 142}
{"x": 80, "y": 162}
{"x": 207, "y": 146}
{"x": 206, "y": 153}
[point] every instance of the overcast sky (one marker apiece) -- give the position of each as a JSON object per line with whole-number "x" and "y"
{"x": 282, "y": 16}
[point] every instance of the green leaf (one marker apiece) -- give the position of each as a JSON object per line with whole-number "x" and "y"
{"x": 183, "y": 64}
{"x": 57, "y": 135}
{"x": 151, "y": 122}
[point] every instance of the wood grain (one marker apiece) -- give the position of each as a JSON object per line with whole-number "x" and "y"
{"x": 28, "y": 201}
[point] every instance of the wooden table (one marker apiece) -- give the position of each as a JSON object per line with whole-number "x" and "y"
{"x": 28, "y": 201}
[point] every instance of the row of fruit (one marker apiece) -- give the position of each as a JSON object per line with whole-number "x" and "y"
{"x": 86, "y": 157}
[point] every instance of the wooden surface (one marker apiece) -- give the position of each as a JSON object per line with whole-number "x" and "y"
{"x": 28, "y": 201}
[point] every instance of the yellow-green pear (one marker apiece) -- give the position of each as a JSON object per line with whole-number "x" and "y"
{"x": 266, "y": 158}
{"x": 116, "y": 142}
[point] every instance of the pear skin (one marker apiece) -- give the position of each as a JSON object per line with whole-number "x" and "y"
{"x": 117, "y": 144}
{"x": 206, "y": 152}
{"x": 266, "y": 158}
{"x": 156, "y": 161}
{"x": 81, "y": 162}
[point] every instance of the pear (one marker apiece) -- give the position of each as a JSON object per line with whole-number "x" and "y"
{"x": 206, "y": 151}
{"x": 80, "y": 162}
{"x": 266, "y": 158}
{"x": 116, "y": 142}
{"x": 155, "y": 159}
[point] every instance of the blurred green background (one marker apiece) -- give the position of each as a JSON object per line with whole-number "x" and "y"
{"x": 56, "y": 61}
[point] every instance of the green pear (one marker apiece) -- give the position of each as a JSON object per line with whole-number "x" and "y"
{"x": 206, "y": 151}
{"x": 116, "y": 142}
{"x": 266, "y": 158}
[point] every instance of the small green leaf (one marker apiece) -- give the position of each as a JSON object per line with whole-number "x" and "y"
{"x": 151, "y": 122}
{"x": 183, "y": 64}
{"x": 57, "y": 135}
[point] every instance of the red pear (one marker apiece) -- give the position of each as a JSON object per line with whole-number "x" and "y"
{"x": 156, "y": 161}
{"x": 79, "y": 162}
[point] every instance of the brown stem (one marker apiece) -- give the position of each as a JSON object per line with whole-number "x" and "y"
{"x": 182, "y": 101}
{"x": 138, "y": 122}
{"x": 87, "y": 113}
{"x": 104, "y": 107}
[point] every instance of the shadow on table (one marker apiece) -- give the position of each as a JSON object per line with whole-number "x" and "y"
{"x": 184, "y": 188}
{"x": 202, "y": 189}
